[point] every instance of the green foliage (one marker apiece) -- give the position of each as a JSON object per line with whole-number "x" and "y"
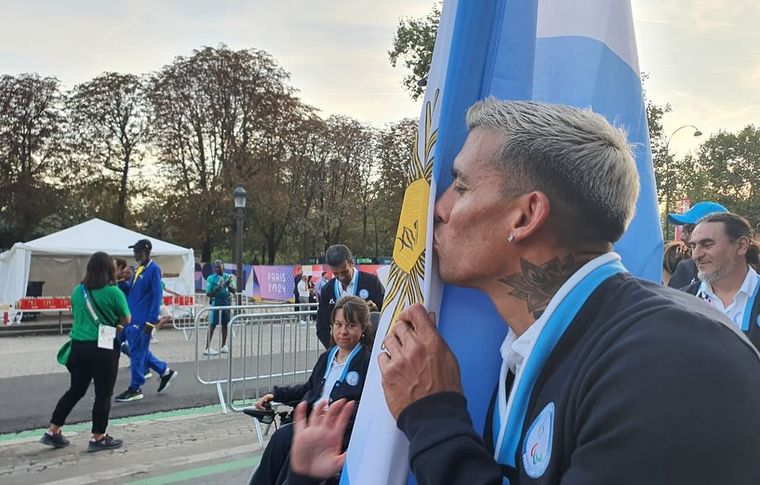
{"x": 726, "y": 169}
{"x": 31, "y": 154}
{"x": 413, "y": 44}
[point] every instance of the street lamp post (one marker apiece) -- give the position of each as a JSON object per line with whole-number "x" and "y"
{"x": 697, "y": 133}
{"x": 238, "y": 195}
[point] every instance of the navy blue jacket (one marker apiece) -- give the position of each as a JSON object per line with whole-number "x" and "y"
{"x": 753, "y": 333}
{"x": 650, "y": 386}
{"x": 685, "y": 274}
{"x": 311, "y": 390}
{"x": 327, "y": 299}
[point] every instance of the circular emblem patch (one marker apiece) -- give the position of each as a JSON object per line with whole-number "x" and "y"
{"x": 364, "y": 293}
{"x": 352, "y": 378}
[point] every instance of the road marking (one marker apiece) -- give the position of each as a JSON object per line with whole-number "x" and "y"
{"x": 86, "y": 426}
{"x": 200, "y": 472}
{"x": 145, "y": 467}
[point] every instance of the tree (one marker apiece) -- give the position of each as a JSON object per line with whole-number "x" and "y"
{"x": 285, "y": 187}
{"x": 726, "y": 169}
{"x": 413, "y": 43}
{"x": 108, "y": 126}
{"x": 343, "y": 148}
{"x": 211, "y": 112}
{"x": 394, "y": 150}
{"x": 31, "y": 153}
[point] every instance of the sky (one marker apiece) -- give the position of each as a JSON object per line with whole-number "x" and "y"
{"x": 703, "y": 57}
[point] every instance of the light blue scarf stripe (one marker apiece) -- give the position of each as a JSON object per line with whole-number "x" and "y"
{"x": 555, "y": 327}
{"x": 748, "y": 307}
{"x": 332, "y": 355}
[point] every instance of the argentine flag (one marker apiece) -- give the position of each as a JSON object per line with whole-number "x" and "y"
{"x": 580, "y": 53}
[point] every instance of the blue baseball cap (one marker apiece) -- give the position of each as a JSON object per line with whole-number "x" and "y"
{"x": 697, "y": 212}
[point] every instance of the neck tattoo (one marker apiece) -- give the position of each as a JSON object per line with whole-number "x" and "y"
{"x": 537, "y": 284}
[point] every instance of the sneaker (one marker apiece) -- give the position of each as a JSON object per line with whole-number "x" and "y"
{"x": 54, "y": 440}
{"x": 210, "y": 351}
{"x": 148, "y": 375}
{"x": 166, "y": 379}
{"x": 224, "y": 350}
{"x": 129, "y": 395}
{"x": 105, "y": 443}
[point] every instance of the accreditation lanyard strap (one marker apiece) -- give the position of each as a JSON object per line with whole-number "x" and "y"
{"x": 748, "y": 307}
{"x": 88, "y": 304}
{"x": 354, "y": 282}
{"x": 509, "y": 417}
{"x": 347, "y": 363}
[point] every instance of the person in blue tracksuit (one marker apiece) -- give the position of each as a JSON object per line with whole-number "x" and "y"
{"x": 144, "y": 295}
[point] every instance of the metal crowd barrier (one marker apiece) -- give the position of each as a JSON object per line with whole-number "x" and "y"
{"x": 269, "y": 344}
{"x": 183, "y": 317}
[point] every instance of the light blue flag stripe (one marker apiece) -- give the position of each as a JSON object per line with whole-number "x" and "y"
{"x": 487, "y": 43}
{"x": 495, "y": 51}
{"x": 578, "y": 71}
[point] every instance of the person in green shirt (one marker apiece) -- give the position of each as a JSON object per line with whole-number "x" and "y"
{"x": 99, "y": 309}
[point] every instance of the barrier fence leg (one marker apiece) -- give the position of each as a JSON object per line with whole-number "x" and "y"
{"x": 221, "y": 397}
{"x": 259, "y": 435}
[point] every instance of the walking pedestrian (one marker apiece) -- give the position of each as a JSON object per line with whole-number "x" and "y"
{"x": 144, "y": 295}
{"x": 99, "y": 308}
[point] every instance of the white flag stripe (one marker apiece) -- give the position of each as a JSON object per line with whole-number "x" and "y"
{"x": 588, "y": 18}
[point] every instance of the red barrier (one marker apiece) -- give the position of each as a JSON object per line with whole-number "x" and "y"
{"x": 63, "y": 303}
{"x": 179, "y": 300}
{"x": 39, "y": 303}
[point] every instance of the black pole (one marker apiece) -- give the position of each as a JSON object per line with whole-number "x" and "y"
{"x": 239, "y": 250}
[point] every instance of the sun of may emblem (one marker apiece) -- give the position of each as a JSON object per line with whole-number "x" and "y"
{"x": 408, "y": 266}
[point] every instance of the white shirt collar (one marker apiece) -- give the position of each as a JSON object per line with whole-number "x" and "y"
{"x": 746, "y": 289}
{"x": 515, "y": 350}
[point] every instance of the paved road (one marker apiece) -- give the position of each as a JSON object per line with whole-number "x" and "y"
{"x": 200, "y": 446}
{"x": 32, "y": 381}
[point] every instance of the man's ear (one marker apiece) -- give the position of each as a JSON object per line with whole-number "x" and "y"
{"x": 743, "y": 245}
{"x": 533, "y": 210}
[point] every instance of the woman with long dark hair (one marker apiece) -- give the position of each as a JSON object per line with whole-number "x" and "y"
{"x": 99, "y": 308}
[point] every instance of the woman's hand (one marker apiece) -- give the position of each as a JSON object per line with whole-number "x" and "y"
{"x": 263, "y": 400}
{"x": 318, "y": 440}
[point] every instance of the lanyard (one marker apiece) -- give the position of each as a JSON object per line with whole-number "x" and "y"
{"x": 331, "y": 357}
{"x": 748, "y": 307}
{"x": 354, "y": 281}
{"x": 88, "y": 304}
{"x": 509, "y": 418}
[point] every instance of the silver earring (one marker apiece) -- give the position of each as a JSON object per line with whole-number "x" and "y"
{"x": 511, "y": 237}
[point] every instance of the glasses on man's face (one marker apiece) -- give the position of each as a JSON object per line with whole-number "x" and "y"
{"x": 348, "y": 326}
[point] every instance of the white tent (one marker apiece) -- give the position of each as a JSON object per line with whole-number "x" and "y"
{"x": 59, "y": 260}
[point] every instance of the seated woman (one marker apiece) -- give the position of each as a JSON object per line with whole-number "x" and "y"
{"x": 338, "y": 374}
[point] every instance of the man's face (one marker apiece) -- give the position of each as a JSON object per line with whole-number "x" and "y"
{"x": 470, "y": 217}
{"x": 219, "y": 269}
{"x": 344, "y": 272}
{"x": 141, "y": 256}
{"x": 716, "y": 256}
